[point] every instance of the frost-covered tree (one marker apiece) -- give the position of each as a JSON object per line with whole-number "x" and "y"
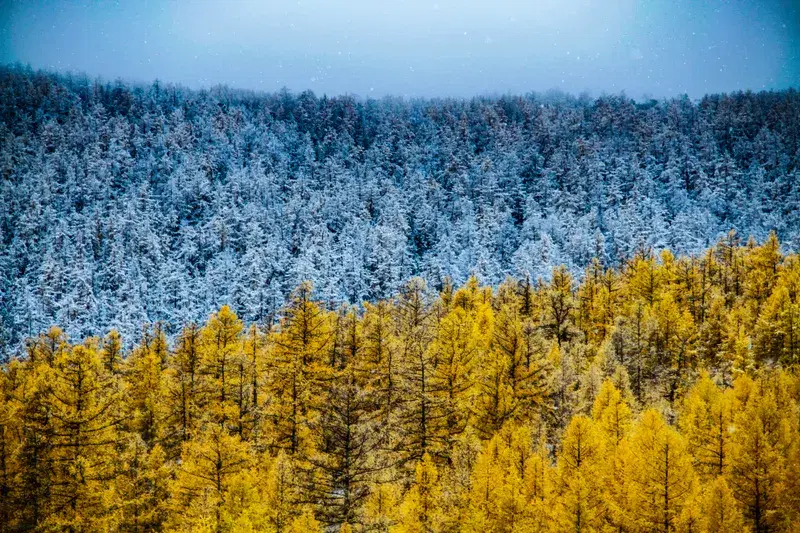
{"x": 125, "y": 204}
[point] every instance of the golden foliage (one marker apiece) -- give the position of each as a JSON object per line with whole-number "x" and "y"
{"x": 661, "y": 396}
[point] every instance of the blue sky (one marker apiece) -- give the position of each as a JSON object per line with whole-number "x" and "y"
{"x": 417, "y": 48}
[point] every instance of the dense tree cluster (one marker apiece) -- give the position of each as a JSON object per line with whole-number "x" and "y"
{"x": 661, "y": 396}
{"x": 123, "y": 204}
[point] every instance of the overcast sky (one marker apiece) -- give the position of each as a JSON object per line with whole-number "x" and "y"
{"x": 417, "y": 48}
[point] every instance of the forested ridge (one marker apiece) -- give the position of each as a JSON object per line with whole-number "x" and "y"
{"x": 660, "y": 396}
{"x": 125, "y": 204}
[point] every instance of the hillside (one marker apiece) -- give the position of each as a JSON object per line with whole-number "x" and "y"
{"x": 662, "y": 396}
{"x": 125, "y": 205}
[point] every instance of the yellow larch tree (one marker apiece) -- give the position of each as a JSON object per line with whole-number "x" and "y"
{"x": 758, "y": 455}
{"x": 345, "y": 455}
{"x": 720, "y": 511}
{"x": 579, "y": 502}
{"x": 380, "y": 362}
{"x": 660, "y": 475}
{"x": 299, "y": 351}
{"x": 31, "y": 459}
{"x": 456, "y": 347}
{"x": 112, "y": 352}
{"x": 381, "y": 508}
{"x": 559, "y": 305}
{"x": 510, "y": 484}
{"x": 778, "y": 328}
{"x": 251, "y": 366}
{"x": 281, "y": 497}
{"x": 145, "y": 388}
{"x": 420, "y": 509}
{"x": 141, "y": 486}
{"x": 421, "y": 415}
{"x": 184, "y": 388}
{"x": 47, "y": 347}
{"x": 513, "y": 376}
{"x": 611, "y": 413}
{"x": 85, "y": 405}
{"x": 706, "y": 420}
{"x": 211, "y": 464}
{"x": 220, "y": 354}
{"x": 9, "y": 440}
{"x": 644, "y": 279}
{"x": 762, "y": 265}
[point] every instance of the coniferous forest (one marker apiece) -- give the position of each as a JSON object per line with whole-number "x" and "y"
{"x": 223, "y": 310}
{"x": 660, "y": 396}
{"x": 123, "y": 205}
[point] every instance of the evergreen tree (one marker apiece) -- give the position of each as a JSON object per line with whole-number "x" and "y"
{"x": 84, "y": 403}
{"x": 299, "y": 355}
{"x": 660, "y": 474}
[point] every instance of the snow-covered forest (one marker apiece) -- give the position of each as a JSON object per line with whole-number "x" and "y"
{"x": 125, "y": 204}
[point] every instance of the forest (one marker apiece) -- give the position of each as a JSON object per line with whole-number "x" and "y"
{"x": 125, "y": 204}
{"x": 660, "y": 395}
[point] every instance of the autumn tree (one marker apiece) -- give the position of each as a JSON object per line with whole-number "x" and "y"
{"x": 757, "y": 462}
{"x": 660, "y": 474}
{"x": 421, "y": 416}
{"x": 211, "y": 465}
{"x": 84, "y": 402}
{"x": 220, "y": 356}
{"x": 184, "y": 384}
{"x": 720, "y": 510}
{"x": 419, "y": 512}
{"x": 706, "y": 420}
{"x": 346, "y": 456}
{"x": 580, "y": 499}
{"x": 299, "y": 352}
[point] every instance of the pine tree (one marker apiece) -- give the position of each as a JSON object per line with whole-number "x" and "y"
{"x": 299, "y": 355}
{"x": 580, "y": 501}
{"x": 219, "y": 355}
{"x": 419, "y": 511}
{"x": 720, "y": 511}
{"x": 706, "y": 420}
{"x": 184, "y": 386}
{"x": 660, "y": 474}
{"x": 84, "y": 402}
{"x": 209, "y": 467}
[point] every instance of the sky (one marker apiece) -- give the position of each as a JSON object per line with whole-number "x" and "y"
{"x": 416, "y": 48}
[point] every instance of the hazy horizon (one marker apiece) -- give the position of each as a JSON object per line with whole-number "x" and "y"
{"x": 419, "y": 49}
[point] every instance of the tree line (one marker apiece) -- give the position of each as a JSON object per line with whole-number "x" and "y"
{"x": 660, "y": 396}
